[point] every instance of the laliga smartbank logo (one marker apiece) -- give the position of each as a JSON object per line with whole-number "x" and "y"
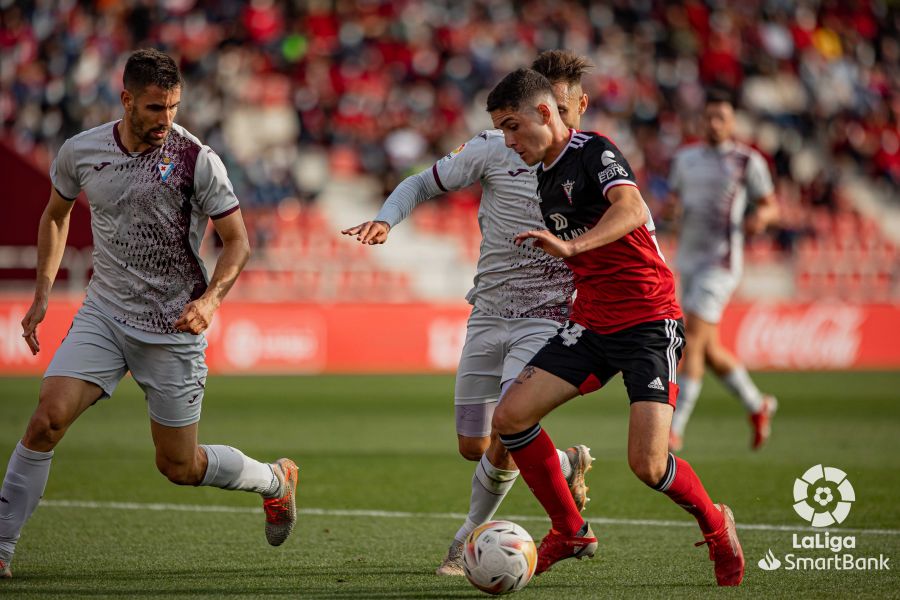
{"x": 823, "y": 497}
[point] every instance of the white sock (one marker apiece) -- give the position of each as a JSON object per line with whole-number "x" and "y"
{"x": 228, "y": 468}
{"x": 564, "y": 464}
{"x": 489, "y": 486}
{"x": 739, "y": 383}
{"x": 23, "y": 486}
{"x": 688, "y": 392}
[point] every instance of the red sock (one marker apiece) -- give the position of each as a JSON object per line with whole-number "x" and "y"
{"x": 539, "y": 464}
{"x": 687, "y": 491}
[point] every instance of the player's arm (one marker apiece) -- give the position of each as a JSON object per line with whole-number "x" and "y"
{"x": 410, "y": 193}
{"x": 459, "y": 169}
{"x": 764, "y": 214}
{"x": 52, "y": 233}
{"x": 626, "y": 213}
{"x": 197, "y": 315}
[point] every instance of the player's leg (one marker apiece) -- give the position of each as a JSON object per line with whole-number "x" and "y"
{"x": 760, "y": 407}
{"x": 173, "y": 377}
{"x": 61, "y": 402}
{"x": 86, "y": 367}
{"x": 478, "y": 379}
{"x": 650, "y": 421}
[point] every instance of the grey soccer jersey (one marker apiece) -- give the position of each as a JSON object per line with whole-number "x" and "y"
{"x": 148, "y": 215}
{"x": 511, "y": 281}
{"x": 715, "y": 186}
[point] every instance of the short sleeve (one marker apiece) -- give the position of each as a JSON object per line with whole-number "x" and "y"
{"x": 63, "y": 174}
{"x": 464, "y": 166}
{"x": 759, "y": 180}
{"x": 211, "y": 185}
{"x": 606, "y": 162}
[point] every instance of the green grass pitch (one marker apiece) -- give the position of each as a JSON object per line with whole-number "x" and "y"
{"x": 371, "y": 444}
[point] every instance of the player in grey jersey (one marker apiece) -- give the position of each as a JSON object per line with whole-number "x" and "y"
{"x": 152, "y": 188}
{"x": 723, "y": 188}
{"x": 519, "y": 299}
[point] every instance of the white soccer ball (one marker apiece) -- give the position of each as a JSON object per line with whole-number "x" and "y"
{"x": 499, "y": 557}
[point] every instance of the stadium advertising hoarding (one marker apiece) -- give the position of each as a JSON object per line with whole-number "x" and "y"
{"x": 410, "y": 338}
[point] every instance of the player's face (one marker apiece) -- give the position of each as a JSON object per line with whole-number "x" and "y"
{"x": 719, "y": 120}
{"x": 151, "y": 113}
{"x": 571, "y": 101}
{"x": 525, "y": 131}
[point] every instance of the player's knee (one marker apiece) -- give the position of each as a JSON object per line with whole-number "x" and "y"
{"x": 505, "y": 421}
{"x": 647, "y": 469}
{"x": 46, "y": 428}
{"x": 473, "y": 448}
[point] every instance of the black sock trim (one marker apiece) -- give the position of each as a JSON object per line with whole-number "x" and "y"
{"x": 517, "y": 441}
{"x": 669, "y": 476}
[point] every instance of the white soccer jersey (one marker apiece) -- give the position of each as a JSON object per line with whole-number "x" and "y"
{"x": 715, "y": 186}
{"x": 149, "y": 212}
{"x": 511, "y": 281}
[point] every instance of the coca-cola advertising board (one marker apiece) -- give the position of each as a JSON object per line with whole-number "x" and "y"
{"x": 427, "y": 338}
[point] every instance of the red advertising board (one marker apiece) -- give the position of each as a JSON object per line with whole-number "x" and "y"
{"x": 407, "y": 338}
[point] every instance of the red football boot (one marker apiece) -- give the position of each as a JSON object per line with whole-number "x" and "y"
{"x": 762, "y": 422}
{"x": 556, "y": 547}
{"x": 725, "y": 550}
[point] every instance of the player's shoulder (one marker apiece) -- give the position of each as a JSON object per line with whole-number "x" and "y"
{"x": 592, "y": 141}
{"x": 748, "y": 151}
{"x": 105, "y": 130}
{"x": 183, "y": 134}
{"x": 689, "y": 149}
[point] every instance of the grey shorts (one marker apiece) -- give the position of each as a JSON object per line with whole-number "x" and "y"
{"x": 169, "y": 368}
{"x": 496, "y": 350}
{"x": 706, "y": 292}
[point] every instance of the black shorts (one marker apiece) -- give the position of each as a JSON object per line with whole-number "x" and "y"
{"x": 646, "y": 354}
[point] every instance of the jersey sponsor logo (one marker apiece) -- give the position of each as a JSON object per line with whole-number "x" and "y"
{"x": 656, "y": 384}
{"x": 567, "y": 187}
{"x": 607, "y": 158}
{"x": 165, "y": 167}
{"x": 456, "y": 151}
{"x": 560, "y": 222}
{"x": 102, "y": 165}
{"x": 518, "y": 172}
{"x": 571, "y": 235}
{"x": 610, "y": 172}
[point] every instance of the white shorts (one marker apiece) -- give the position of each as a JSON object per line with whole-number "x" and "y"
{"x": 496, "y": 351}
{"x": 705, "y": 292}
{"x": 169, "y": 368}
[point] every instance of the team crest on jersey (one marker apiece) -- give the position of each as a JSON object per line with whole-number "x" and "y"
{"x": 567, "y": 187}
{"x": 165, "y": 167}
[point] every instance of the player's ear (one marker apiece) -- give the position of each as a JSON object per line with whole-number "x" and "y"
{"x": 544, "y": 111}
{"x": 127, "y": 100}
{"x": 582, "y": 104}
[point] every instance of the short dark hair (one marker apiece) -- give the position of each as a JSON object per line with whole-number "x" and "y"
{"x": 561, "y": 65}
{"x": 517, "y": 88}
{"x": 719, "y": 95}
{"x": 149, "y": 66}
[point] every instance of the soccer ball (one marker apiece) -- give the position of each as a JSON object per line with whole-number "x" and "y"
{"x": 499, "y": 557}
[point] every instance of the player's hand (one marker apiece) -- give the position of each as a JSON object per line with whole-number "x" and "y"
{"x": 370, "y": 232}
{"x": 547, "y": 242}
{"x": 33, "y": 317}
{"x": 196, "y": 316}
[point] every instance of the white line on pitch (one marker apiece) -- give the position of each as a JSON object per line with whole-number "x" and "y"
{"x": 384, "y": 514}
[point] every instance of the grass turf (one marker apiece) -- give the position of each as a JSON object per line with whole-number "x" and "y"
{"x": 388, "y": 444}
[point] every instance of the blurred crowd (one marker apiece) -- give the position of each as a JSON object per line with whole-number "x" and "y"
{"x": 293, "y": 92}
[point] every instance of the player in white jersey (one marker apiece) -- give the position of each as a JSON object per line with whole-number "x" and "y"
{"x": 152, "y": 188}
{"x": 519, "y": 300}
{"x": 724, "y": 189}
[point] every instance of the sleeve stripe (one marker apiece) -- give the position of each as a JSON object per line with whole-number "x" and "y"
{"x": 437, "y": 178}
{"x": 617, "y": 182}
{"x": 226, "y": 213}
{"x": 63, "y": 196}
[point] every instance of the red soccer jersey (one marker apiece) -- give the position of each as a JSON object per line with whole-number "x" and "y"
{"x": 623, "y": 283}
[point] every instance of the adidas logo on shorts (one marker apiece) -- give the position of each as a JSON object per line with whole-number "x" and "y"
{"x": 656, "y": 384}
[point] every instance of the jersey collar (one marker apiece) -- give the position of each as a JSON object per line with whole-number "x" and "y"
{"x": 569, "y": 143}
